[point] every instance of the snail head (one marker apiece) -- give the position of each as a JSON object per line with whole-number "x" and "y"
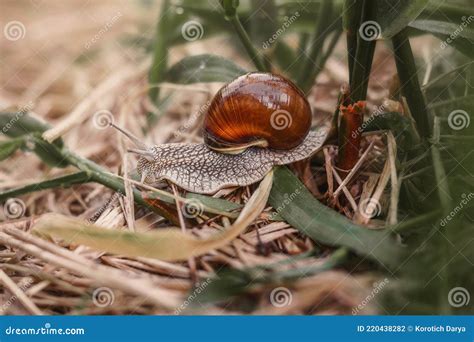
{"x": 147, "y": 159}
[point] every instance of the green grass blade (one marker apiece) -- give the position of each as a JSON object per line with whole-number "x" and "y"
{"x": 304, "y": 212}
{"x": 58, "y": 182}
{"x": 203, "y": 68}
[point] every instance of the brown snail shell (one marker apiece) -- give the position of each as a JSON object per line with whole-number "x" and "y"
{"x": 257, "y": 109}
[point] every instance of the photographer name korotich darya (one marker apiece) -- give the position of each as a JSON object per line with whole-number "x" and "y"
{"x": 440, "y": 328}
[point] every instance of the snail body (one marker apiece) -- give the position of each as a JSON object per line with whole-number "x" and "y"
{"x": 198, "y": 168}
{"x": 254, "y": 123}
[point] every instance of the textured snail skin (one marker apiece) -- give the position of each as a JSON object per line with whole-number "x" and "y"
{"x": 197, "y": 168}
{"x": 258, "y": 106}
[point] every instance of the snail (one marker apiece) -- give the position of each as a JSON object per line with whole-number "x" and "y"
{"x": 255, "y": 122}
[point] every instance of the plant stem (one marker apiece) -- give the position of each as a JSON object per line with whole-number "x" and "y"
{"x": 410, "y": 86}
{"x": 160, "y": 56}
{"x": 245, "y": 39}
{"x": 160, "y": 53}
{"x": 364, "y": 54}
{"x": 308, "y": 69}
{"x": 414, "y": 224}
{"x": 98, "y": 174}
{"x": 80, "y": 177}
{"x": 323, "y": 58}
{"x": 353, "y": 15}
{"x": 444, "y": 195}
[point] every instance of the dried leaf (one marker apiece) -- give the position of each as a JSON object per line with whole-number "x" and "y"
{"x": 167, "y": 244}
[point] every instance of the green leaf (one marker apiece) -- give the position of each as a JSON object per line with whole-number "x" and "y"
{"x": 217, "y": 204}
{"x": 203, "y": 68}
{"x": 160, "y": 51}
{"x": 394, "y": 16}
{"x": 230, "y": 7}
{"x": 447, "y": 106}
{"x": 7, "y": 148}
{"x": 232, "y": 282}
{"x": 58, "y": 182}
{"x": 47, "y": 152}
{"x": 443, "y": 27}
{"x": 461, "y": 44}
{"x": 401, "y": 126}
{"x": 300, "y": 209}
{"x": 21, "y": 124}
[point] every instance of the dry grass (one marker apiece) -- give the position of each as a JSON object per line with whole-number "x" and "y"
{"x": 66, "y": 84}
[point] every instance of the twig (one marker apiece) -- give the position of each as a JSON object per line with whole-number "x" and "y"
{"x": 18, "y": 293}
{"x": 395, "y": 186}
{"x": 81, "y": 112}
{"x": 346, "y": 191}
{"x": 354, "y": 169}
{"x": 103, "y": 275}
